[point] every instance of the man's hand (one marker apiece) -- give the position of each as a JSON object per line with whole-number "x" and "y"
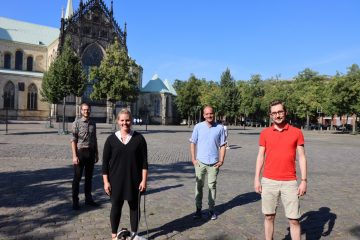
{"x": 75, "y": 160}
{"x": 302, "y": 188}
{"x": 195, "y": 163}
{"x": 218, "y": 164}
{"x": 257, "y": 186}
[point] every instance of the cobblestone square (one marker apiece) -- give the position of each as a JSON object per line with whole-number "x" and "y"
{"x": 36, "y": 175}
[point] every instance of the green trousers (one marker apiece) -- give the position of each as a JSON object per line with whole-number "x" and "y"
{"x": 200, "y": 171}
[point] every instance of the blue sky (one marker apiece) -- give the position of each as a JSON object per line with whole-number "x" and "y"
{"x": 176, "y": 38}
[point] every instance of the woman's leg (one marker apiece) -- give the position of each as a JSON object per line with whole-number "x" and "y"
{"x": 115, "y": 215}
{"x": 134, "y": 214}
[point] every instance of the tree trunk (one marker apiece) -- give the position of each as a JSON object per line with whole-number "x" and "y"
{"x": 307, "y": 121}
{"x": 64, "y": 109}
{"x": 354, "y": 124}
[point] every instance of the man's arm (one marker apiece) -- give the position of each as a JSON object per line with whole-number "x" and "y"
{"x": 303, "y": 169}
{"x": 96, "y": 147}
{"x": 222, "y": 152}
{"x": 259, "y": 165}
{"x": 75, "y": 158}
{"x": 193, "y": 154}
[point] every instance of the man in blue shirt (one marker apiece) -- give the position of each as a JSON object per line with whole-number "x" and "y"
{"x": 207, "y": 146}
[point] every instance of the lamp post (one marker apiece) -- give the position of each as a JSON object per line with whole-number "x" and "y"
{"x": 6, "y": 100}
{"x": 147, "y": 116}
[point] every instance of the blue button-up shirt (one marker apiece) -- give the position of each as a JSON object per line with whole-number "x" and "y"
{"x": 208, "y": 140}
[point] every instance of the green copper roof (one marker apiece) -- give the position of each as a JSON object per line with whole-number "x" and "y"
{"x": 156, "y": 85}
{"x": 24, "y": 32}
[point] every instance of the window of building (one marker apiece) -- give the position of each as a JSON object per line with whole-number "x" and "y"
{"x": 9, "y": 95}
{"x": 7, "y": 61}
{"x": 18, "y": 60}
{"x": 157, "y": 107}
{"x": 32, "y": 97}
{"x": 29, "y": 63}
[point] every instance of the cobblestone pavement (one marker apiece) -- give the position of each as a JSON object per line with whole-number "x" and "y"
{"x": 36, "y": 174}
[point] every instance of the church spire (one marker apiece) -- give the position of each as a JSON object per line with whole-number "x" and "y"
{"x": 69, "y": 9}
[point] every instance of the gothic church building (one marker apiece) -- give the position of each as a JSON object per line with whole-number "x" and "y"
{"x": 26, "y": 51}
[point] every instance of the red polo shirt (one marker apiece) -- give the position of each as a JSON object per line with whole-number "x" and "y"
{"x": 280, "y": 152}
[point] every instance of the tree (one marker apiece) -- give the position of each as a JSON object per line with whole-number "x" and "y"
{"x": 252, "y": 94}
{"x": 229, "y": 105}
{"x": 115, "y": 78}
{"x": 345, "y": 92}
{"x": 188, "y": 96}
{"x": 308, "y": 94}
{"x": 64, "y": 78}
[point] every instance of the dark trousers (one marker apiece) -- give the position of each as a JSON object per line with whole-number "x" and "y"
{"x": 115, "y": 214}
{"x": 86, "y": 161}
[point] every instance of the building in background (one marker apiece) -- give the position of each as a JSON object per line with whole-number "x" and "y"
{"x": 26, "y": 51}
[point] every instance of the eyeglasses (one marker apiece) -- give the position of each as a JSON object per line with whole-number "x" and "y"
{"x": 280, "y": 113}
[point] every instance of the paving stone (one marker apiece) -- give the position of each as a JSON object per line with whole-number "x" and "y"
{"x": 36, "y": 175}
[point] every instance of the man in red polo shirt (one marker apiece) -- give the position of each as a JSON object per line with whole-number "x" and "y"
{"x": 277, "y": 154}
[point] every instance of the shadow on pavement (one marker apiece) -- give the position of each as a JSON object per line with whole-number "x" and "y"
{"x": 32, "y": 133}
{"x": 187, "y": 222}
{"x": 163, "y": 131}
{"x": 168, "y": 171}
{"x": 355, "y": 231}
{"x": 316, "y": 224}
{"x": 48, "y": 191}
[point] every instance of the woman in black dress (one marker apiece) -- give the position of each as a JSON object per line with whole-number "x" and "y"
{"x": 124, "y": 170}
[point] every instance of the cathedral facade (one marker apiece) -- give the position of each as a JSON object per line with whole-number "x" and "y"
{"x": 26, "y": 51}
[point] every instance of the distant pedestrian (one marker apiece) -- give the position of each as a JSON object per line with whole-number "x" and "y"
{"x": 225, "y": 124}
{"x": 207, "y": 146}
{"x": 277, "y": 154}
{"x": 84, "y": 155}
{"x": 125, "y": 169}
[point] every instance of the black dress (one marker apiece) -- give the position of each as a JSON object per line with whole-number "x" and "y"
{"x": 124, "y": 164}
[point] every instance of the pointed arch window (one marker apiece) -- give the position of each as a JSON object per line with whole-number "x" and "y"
{"x": 9, "y": 95}
{"x": 32, "y": 97}
{"x": 19, "y": 60}
{"x": 29, "y": 63}
{"x": 7, "y": 60}
{"x": 157, "y": 107}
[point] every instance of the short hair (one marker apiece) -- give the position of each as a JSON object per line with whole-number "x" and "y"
{"x": 277, "y": 102}
{"x": 85, "y": 104}
{"x": 124, "y": 111}
{"x": 208, "y": 106}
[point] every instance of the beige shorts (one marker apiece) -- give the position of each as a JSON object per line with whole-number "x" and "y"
{"x": 272, "y": 190}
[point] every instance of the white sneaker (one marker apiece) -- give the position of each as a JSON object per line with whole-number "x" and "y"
{"x": 212, "y": 215}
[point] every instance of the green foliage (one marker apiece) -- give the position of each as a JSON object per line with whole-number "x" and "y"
{"x": 252, "y": 94}
{"x": 308, "y": 93}
{"x": 210, "y": 93}
{"x": 306, "y": 97}
{"x": 229, "y": 105}
{"x": 188, "y": 95}
{"x": 65, "y": 76}
{"x": 115, "y": 78}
